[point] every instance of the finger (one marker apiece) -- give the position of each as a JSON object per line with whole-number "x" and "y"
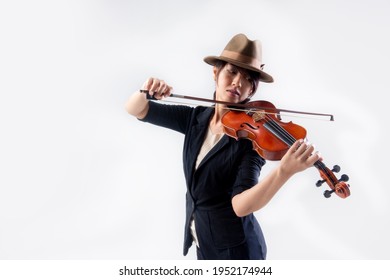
{"x": 294, "y": 147}
{"x": 306, "y": 150}
{"x": 147, "y": 85}
{"x": 314, "y": 157}
{"x": 167, "y": 91}
{"x": 155, "y": 85}
{"x": 159, "y": 89}
{"x": 309, "y": 157}
{"x": 162, "y": 88}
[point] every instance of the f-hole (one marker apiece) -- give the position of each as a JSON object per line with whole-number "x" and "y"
{"x": 251, "y": 126}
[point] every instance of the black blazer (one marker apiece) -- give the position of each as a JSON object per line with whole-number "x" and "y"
{"x": 228, "y": 169}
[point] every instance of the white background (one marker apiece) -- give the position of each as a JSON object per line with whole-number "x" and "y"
{"x": 81, "y": 179}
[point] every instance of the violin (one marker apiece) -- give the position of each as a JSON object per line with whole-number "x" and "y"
{"x": 260, "y": 122}
{"x": 271, "y": 138}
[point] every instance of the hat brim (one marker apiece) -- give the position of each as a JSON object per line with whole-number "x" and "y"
{"x": 264, "y": 77}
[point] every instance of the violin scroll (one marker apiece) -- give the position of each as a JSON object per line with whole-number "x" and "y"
{"x": 337, "y": 186}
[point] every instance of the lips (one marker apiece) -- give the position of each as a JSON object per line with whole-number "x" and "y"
{"x": 233, "y": 92}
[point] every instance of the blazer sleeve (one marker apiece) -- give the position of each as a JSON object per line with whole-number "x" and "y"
{"x": 175, "y": 117}
{"x": 248, "y": 171}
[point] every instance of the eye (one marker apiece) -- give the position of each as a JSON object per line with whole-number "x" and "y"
{"x": 248, "y": 78}
{"x": 229, "y": 71}
{"x": 232, "y": 71}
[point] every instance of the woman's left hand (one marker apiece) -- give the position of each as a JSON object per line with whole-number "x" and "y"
{"x": 299, "y": 157}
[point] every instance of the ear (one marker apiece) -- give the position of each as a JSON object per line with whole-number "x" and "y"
{"x": 215, "y": 70}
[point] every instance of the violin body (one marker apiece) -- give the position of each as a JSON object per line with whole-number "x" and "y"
{"x": 254, "y": 125}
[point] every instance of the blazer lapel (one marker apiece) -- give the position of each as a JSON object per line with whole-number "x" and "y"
{"x": 221, "y": 143}
{"x": 199, "y": 133}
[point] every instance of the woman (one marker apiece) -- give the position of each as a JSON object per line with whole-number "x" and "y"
{"x": 221, "y": 173}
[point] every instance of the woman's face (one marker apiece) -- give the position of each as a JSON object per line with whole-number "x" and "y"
{"x": 233, "y": 84}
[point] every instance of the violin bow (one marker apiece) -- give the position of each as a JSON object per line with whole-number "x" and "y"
{"x": 239, "y": 105}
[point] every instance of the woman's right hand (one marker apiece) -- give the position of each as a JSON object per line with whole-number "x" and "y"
{"x": 138, "y": 106}
{"x": 157, "y": 88}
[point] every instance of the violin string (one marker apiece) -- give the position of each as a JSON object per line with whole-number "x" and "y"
{"x": 287, "y": 137}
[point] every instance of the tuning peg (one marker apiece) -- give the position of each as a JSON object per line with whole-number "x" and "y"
{"x": 320, "y": 182}
{"x": 344, "y": 178}
{"x": 328, "y": 193}
{"x": 336, "y": 168}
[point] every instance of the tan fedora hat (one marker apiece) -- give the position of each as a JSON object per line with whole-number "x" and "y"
{"x": 244, "y": 53}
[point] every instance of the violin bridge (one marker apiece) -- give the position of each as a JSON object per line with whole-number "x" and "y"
{"x": 258, "y": 115}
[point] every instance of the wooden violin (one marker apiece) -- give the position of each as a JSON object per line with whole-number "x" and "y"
{"x": 260, "y": 122}
{"x": 271, "y": 138}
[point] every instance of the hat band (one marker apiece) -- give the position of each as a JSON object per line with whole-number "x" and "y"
{"x": 253, "y": 62}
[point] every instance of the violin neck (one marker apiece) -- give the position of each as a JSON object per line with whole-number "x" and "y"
{"x": 287, "y": 138}
{"x": 280, "y": 132}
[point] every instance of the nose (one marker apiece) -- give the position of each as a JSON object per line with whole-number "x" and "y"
{"x": 237, "y": 80}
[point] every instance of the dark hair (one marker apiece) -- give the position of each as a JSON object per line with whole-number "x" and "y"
{"x": 254, "y": 76}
